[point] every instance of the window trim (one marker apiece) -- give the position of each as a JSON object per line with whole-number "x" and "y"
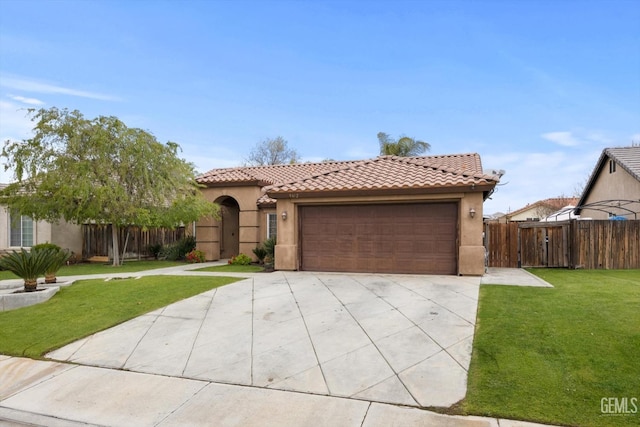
{"x": 272, "y": 233}
{"x": 20, "y": 222}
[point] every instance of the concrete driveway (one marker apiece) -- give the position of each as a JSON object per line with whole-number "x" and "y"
{"x": 383, "y": 338}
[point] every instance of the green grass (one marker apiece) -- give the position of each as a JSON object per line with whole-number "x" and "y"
{"x": 97, "y": 268}
{"x": 90, "y": 306}
{"x": 550, "y": 355}
{"x": 232, "y": 268}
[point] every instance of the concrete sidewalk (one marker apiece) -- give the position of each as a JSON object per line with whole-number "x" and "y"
{"x": 63, "y": 395}
{"x": 286, "y": 348}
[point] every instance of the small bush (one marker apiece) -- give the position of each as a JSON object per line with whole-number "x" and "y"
{"x": 155, "y": 250}
{"x": 180, "y": 249}
{"x": 240, "y": 259}
{"x": 195, "y": 256}
{"x": 57, "y": 258}
{"x": 43, "y": 246}
{"x": 28, "y": 265}
{"x": 260, "y": 252}
{"x": 269, "y": 245}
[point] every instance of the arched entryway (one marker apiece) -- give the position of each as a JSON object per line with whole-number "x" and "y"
{"x": 229, "y": 227}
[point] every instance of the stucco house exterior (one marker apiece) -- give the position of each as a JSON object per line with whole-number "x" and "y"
{"x": 19, "y": 231}
{"x": 388, "y": 214}
{"x": 613, "y": 188}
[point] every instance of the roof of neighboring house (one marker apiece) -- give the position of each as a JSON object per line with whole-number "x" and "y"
{"x": 627, "y": 157}
{"x": 554, "y": 203}
{"x": 380, "y": 173}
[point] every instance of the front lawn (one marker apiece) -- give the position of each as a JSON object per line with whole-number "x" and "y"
{"x": 90, "y": 306}
{"x": 98, "y": 268}
{"x": 233, "y": 268}
{"x": 552, "y": 355}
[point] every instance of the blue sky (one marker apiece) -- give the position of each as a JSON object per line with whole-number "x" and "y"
{"x": 537, "y": 88}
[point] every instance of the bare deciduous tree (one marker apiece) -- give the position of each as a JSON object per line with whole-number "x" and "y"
{"x": 274, "y": 151}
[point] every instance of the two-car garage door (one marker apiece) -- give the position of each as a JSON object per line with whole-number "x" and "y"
{"x": 384, "y": 238}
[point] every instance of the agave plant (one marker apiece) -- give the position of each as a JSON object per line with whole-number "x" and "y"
{"x": 28, "y": 265}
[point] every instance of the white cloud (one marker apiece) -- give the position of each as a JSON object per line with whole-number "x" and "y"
{"x": 14, "y": 125}
{"x": 28, "y": 85}
{"x": 25, "y": 100}
{"x": 566, "y": 139}
{"x": 536, "y": 176}
{"x": 14, "y": 122}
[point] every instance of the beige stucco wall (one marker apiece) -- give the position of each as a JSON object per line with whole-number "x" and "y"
{"x": 253, "y": 226}
{"x": 532, "y": 212}
{"x": 609, "y": 186}
{"x": 67, "y": 236}
{"x": 208, "y": 230}
{"x": 63, "y": 234}
{"x": 471, "y": 250}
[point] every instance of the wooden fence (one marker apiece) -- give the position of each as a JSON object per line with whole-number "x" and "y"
{"x": 594, "y": 244}
{"x": 96, "y": 240}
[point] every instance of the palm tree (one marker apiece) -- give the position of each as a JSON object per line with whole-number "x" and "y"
{"x": 404, "y": 147}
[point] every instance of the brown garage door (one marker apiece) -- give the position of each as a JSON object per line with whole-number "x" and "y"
{"x": 396, "y": 238}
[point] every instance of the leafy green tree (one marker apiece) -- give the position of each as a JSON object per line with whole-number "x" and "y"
{"x": 404, "y": 147}
{"x": 99, "y": 170}
{"x": 274, "y": 151}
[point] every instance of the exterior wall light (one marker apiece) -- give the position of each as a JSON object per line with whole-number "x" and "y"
{"x": 472, "y": 212}
{"x": 284, "y": 215}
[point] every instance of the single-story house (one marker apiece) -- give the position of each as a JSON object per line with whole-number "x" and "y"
{"x": 20, "y": 231}
{"x": 564, "y": 214}
{"x": 540, "y": 209}
{"x": 613, "y": 189}
{"x": 388, "y": 214}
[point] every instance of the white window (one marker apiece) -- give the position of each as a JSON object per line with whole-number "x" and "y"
{"x": 272, "y": 225}
{"x": 21, "y": 231}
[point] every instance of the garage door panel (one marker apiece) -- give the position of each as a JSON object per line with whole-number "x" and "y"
{"x": 397, "y": 238}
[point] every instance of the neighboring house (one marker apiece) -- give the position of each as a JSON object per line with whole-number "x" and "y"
{"x": 19, "y": 231}
{"x": 613, "y": 189}
{"x": 564, "y": 214}
{"x": 388, "y": 214}
{"x": 540, "y": 209}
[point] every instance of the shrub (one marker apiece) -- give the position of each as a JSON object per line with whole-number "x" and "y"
{"x": 269, "y": 245}
{"x": 179, "y": 249}
{"x": 28, "y": 265}
{"x": 47, "y": 245}
{"x": 155, "y": 249}
{"x": 58, "y": 258}
{"x": 240, "y": 259}
{"x": 195, "y": 256}
{"x": 260, "y": 252}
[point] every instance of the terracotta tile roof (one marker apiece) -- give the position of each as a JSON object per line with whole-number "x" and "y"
{"x": 267, "y": 175}
{"x": 553, "y": 203}
{"x": 381, "y": 173}
{"x": 389, "y": 172}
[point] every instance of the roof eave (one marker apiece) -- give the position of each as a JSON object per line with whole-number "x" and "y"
{"x": 591, "y": 181}
{"x": 253, "y": 183}
{"x": 485, "y": 188}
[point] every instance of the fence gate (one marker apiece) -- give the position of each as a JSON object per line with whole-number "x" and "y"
{"x": 586, "y": 244}
{"x": 501, "y": 241}
{"x": 545, "y": 244}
